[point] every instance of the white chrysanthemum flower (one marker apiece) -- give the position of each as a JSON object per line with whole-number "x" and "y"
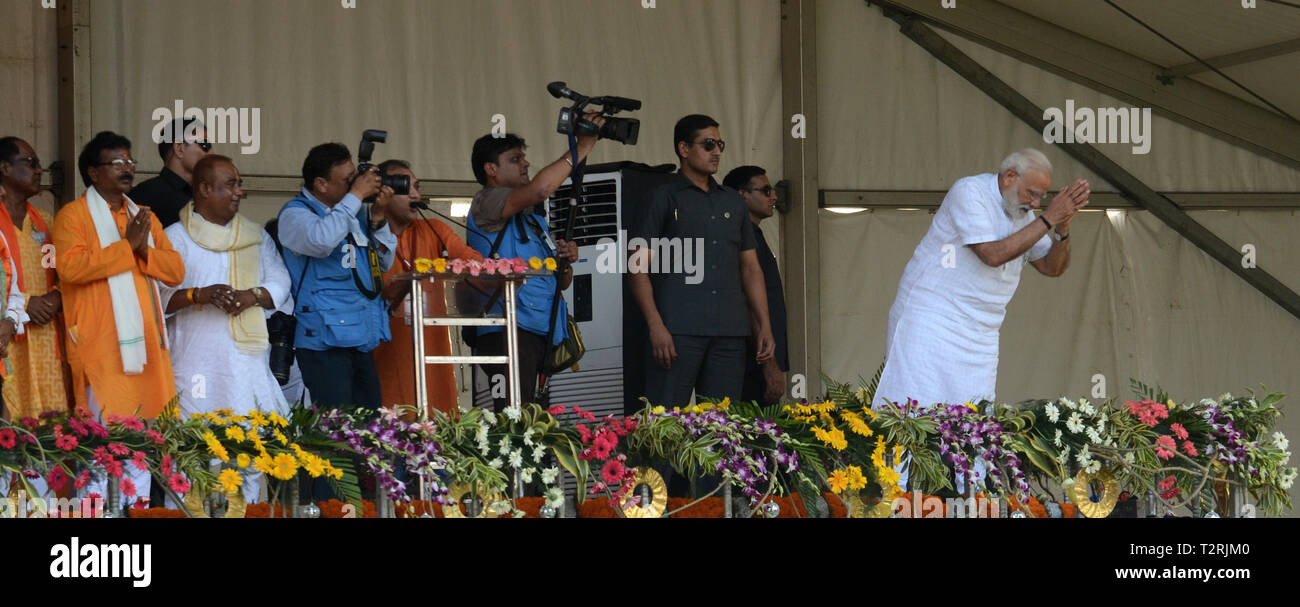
{"x": 549, "y": 475}
{"x": 516, "y": 458}
{"x": 495, "y": 463}
{"x": 1053, "y": 414}
{"x": 504, "y": 445}
{"x": 481, "y": 434}
{"x": 1094, "y": 437}
{"x": 554, "y": 497}
{"x": 1101, "y": 424}
{"x": 538, "y": 453}
{"x": 1093, "y": 467}
{"x": 1083, "y": 457}
{"x": 1280, "y": 441}
{"x": 1087, "y": 407}
{"x": 1057, "y": 439}
{"x": 528, "y": 436}
{"x": 1225, "y": 397}
{"x": 513, "y": 413}
{"x": 1205, "y": 402}
{"x": 526, "y": 475}
{"x": 1129, "y": 458}
{"x": 1067, "y": 403}
{"x": 1075, "y": 423}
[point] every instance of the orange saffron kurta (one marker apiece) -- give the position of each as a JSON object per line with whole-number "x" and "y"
{"x": 92, "y": 348}
{"x": 395, "y": 360}
{"x": 36, "y": 384}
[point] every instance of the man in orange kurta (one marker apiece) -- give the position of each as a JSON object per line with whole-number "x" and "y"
{"x": 416, "y": 238}
{"x": 84, "y": 267}
{"x": 36, "y": 383}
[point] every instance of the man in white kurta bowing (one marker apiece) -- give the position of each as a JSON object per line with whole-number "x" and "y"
{"x": 942, "y": 343}
{"x": 217, "y": 317}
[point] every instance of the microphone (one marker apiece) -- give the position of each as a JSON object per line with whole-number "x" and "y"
{"x": 560, "y": 89}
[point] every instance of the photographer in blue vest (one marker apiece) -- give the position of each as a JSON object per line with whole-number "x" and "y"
{"x": 506, "y": 220}
{"x": 336, "y": 249}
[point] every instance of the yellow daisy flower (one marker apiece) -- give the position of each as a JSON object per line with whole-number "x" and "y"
{"x": 243, "y": 460}
{"x": 235, "y": 433}
{"x": 230, "y": 480}
{"x": 285, "y": 467}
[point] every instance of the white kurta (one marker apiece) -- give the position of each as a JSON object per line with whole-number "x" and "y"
{"x": 942, "y": 345}
{"x": 211, "y": 373}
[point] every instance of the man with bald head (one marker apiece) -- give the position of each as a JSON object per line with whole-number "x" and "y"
{"x": 217, "y": 315}
{"x": 943, "y": 328}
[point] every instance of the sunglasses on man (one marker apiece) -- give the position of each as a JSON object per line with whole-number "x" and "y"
{"x": 765, "y": 190}
{"x": 711, "y": 143}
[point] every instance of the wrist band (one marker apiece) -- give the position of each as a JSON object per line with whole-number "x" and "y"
{"x": 1046, "y": 223}
{"x": 189, "y": 294}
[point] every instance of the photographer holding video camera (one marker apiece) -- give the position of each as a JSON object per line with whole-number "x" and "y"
{"x": 336, "y": 249}
{"x": 507, "y": 220}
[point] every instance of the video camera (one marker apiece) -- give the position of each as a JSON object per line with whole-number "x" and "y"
{"x": 400, "y": 184}
{"x": 623, "y": 130}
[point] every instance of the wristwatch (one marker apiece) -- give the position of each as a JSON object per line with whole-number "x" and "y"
{"x": 257, "y": 293}
{"x": 1060, "y": 237}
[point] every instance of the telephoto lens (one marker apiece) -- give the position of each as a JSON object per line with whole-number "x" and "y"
{"x": 279, "y": 330}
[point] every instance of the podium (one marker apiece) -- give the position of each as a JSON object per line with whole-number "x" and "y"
{"x": 504, "y": 286}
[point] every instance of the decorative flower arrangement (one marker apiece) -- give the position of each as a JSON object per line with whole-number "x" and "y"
{"x": 382, "y": 439}
{"x": 745, "y": 445}
{"x": 1159, "y": 446}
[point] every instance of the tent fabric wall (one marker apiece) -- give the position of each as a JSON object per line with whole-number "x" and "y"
{"x": 435, "y": 73}
{"x": 895, "y": 118}
{"x": 29, "y": 77}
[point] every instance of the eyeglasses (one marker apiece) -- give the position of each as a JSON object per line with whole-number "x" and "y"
{"x": 1036, "y": 196}
{"x": 766, "y": 190}
{"x": 711, "y": 143}
{"x": 31, "y": 161}
{"x": 118, "y": 163}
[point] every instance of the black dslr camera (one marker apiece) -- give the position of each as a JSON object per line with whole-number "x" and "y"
{"x": 400, "y": 184}
{"x": 622, "y": 130}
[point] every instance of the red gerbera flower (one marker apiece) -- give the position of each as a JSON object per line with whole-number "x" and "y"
{"x": 83, "y": 479}
{"x": 58, "y": 479}
{"x": 67, "y": 442}
{"x": 8, "y": 438}
{"x": 128, "y": 487}
{"x": 612, "y": 473}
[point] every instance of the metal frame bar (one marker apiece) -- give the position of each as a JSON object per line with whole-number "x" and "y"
{"x": 1259, "y": 53}
{"x": 1112, "y": 71}
{"x": 930, "y": 199}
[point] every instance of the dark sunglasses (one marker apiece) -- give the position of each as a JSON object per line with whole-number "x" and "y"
{"x": 711, "y": 143}
{"x": 766, "y": 190}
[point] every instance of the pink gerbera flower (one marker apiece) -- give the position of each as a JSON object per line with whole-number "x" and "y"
{"x": 128, "y": 487}
{"x": 67, "y": 442}
{"x": 1190, "y": 449}
{"x": 1165, "y": 447}
{"x": 1179, "y": 431}
{"x": 179, "y": 484}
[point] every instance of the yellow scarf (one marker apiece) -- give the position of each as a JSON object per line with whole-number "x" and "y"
{"x": 242, "y": 239}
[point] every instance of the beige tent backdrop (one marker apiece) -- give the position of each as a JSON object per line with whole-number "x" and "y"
{"x": 1139, "y": 300}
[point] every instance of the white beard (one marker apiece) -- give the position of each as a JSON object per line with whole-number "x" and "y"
{"x": 1011, "y": 203}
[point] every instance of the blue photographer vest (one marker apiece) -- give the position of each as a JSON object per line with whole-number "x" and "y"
{"x": 331, "y": 311}
{"x": 537, "y": 294}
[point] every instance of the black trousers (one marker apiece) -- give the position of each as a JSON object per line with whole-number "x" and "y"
{"x": 340, "y": 378}
{"x": 533, "y": 351}
{"x": 713, "y": 367}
